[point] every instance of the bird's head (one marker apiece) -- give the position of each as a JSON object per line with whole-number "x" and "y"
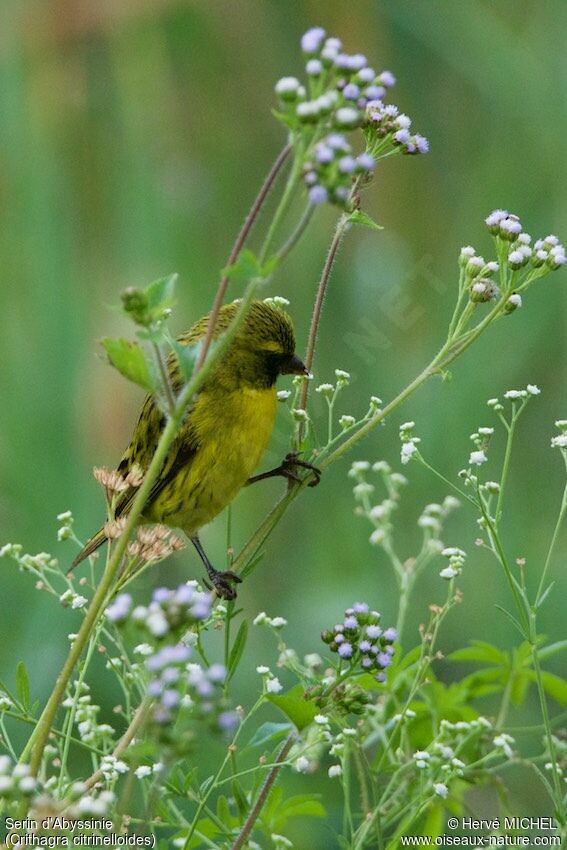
{"x": 264, "y": 348}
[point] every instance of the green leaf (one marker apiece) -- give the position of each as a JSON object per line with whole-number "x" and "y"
{"x": 251, "y": 565}
{"x": 288, "y": 120}
{"x": 360, "y": 217}
{"x": 552, "y": 649}
{"x": 240, "y": 798}
{"x": 246, "y": 267}
{"x": 481, "y": 651}
{"x": 553, "y": 685}
{"x": 511, "y": 618}
{"x": 295, "y": 706}
{"x": 520, "y": 685}
{"x": 130, "y": 361}
{"x": 269, "y": 732}
{"x": 160, "y": 296}
{"x": 186, "y": 357}
{"x": 237, "y": 648}
{"x": 206, "y": 784}
{"x": 23, "y": 685}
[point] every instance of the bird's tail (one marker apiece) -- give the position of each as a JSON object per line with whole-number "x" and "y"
{"x": 90, "y": 546}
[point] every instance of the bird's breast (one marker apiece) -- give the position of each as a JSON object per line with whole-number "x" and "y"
{"x": 232, "y": 432}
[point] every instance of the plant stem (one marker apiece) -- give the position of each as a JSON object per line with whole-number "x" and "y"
{"x": 283, "y": 206}
{"x": 37, "y": 741}
{"x": 237, "y": 248}
{"x": 164, "y": 376}
{"x": 550, "y": 551}
{"x": 318, "y": 306}
{"x": 263, "y": 795}
{"x": 290, "y": 244}
{"x": 139, "y": 719}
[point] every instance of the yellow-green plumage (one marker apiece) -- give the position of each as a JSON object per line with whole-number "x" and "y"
{"x": 226, "y": 430}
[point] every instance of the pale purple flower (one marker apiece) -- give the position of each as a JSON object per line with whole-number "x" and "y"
{"x": 390, "y": 634}
{"x": 318, "y": 195}
{"x": 314, "y": 67}
{"x": 345, "y": 650}
{"x": 347, "y": 164}
{"x": 384, "y": 660}
{"x": 387, "y": 79}
{"x": 374, "y": 92}
{"x": 366, "y": 161}
{"x": 120, "y": 608}
{"x": 373, "y": 632}
{"x": 360, "y": 608}
{"x": 351, "y": 91}
{"x": 228, "y": 720}
{"x": 311, "y": 40}
{"x": 350, "y": 623}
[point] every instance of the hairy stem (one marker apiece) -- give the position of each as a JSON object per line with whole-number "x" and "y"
{"x": 318, "y": 307}
{"x": 263, "y": 795}
{"x": 237, "y": 248}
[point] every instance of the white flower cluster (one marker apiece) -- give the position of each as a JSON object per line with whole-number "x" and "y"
{"x": 456, "y": 558}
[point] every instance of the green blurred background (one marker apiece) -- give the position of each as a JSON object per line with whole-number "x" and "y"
{"x": 133, "y": 136}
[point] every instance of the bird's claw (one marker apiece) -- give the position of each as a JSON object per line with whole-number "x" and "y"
{"x": 223, "y": 581}
{"x": 291, "y": 461}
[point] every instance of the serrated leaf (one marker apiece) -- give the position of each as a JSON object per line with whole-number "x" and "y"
{"x": 360, "y": 217}
{"x": 295, "y": 706}
{"x": 269, "y": 732}
{"x": 23, "y": 685}
{"x": 161, "y": 295}
{"x": 129, "y": 359}
{"x": 237, "y": 648}
{"x": 246, "y": 267}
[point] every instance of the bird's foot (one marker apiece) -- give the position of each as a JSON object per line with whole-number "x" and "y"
{"x": 288, "y": 468}
{"x": 222, "y": 583}
{"x": 292, "y": 461}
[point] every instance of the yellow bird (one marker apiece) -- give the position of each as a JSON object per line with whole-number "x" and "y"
{"x": 223, "y": 436}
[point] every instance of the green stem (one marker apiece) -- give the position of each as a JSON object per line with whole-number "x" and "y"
{"x": 282, "y": 207}
{"x": 164, "y": 378}
{"x": 505, "y": 466}
{"x": 36, "y": 743}
{"x": 302, "y": 225}
{"x": 550, "y": 551}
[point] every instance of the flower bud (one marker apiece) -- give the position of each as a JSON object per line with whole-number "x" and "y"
{"x": 513, "y": 302}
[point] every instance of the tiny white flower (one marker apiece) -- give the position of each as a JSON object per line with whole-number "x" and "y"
{"x": 559, "y": 442}
{"x": 274, "y": 686}
{"x": 79, "y": 602}
{"x": 262, "y": 669}
{"x": 302, "y": 764}
{"x": 407, "y": 426}
{"x": 533, "y": 389}
{"x": 441, "y": 790}
{"x": 449, "y": 573}
{"x": 335, "y": 770}
{"x": 283, "y": 395}
{"x": 278, "y": 622}
{"x": 281, "y": 842}
{"x": 261, "y": 619}
{"x": 407, "y": 451}
{"x": 486, "y": 431}
{"x": 377, "y": 537}
{"x": 452, "y": 551}
{"x": 477, "y": 458}
{"x": 503, "y": 743}
{"x": 321, "y": 720}
{"x": 143, "y": 649}
{"x": 142, "y": 771}
{"x": 346, "y": 421}
{"x": 325, "y": 389}
{"x": 514, "y": 394}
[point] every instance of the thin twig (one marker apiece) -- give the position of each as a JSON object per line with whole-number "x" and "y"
{"x": 263, "y": 795}
{"x": 237, "y": 248}
{"x": 318, "y": 307}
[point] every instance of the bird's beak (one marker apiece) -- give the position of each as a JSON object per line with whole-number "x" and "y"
{"x": 293, "y": 366}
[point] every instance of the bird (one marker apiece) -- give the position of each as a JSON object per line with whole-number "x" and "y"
{"x": 223, "y": 435}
